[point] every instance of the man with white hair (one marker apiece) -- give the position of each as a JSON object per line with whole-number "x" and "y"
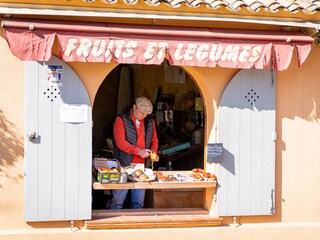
{"x": 135, "y": 137}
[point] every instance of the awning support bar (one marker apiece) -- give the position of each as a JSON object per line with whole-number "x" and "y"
{"x": 152, "y": 15}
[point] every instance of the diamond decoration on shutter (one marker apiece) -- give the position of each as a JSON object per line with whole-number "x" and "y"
{"x": 52, "y": 93}
{"x": 251, "y": 97}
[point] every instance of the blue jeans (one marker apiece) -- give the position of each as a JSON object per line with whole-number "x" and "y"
{"x": 118, "y": 197}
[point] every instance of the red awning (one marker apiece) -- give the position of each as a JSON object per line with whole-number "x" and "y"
{"x": 141, "y": 44}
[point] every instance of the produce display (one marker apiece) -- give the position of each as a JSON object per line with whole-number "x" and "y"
{"x": 197, "y": 174}
{"x": 110, "y": 171}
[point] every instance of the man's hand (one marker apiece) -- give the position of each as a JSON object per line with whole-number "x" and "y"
{"x": 144, "y": 153}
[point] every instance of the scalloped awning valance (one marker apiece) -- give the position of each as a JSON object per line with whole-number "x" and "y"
{"x": 33, "y": 40}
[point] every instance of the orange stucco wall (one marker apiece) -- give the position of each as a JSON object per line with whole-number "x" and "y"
{"x": 11, "y": 137}
{"x": 297, "y": 155}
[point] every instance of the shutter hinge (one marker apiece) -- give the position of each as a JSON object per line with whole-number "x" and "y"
{"x": 272, "y": 207}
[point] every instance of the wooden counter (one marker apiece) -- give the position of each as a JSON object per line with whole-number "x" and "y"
{"x": 154, "y": 185}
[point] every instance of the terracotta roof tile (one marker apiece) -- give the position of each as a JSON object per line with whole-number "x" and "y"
{"x": 255, "y": 6}
{"x": 273, "y": 6}
{"x": 213, "y": 4}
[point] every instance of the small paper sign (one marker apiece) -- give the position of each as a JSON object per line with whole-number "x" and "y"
{"x": 73, "y": 113}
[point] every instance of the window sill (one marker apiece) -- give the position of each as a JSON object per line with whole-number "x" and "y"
{"x": 152, "y": 218}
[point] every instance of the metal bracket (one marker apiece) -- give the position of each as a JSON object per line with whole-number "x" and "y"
{"x": 71, "y": 225}
{"x": 234, "y": 221}
{"x": 33, "y": 137}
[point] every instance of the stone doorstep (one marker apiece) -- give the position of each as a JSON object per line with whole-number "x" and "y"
{"x": 154, "y": 221}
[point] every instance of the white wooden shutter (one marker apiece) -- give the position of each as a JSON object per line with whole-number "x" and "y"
{"x": 246, "y": 127}
{"x": 58, "y": 160}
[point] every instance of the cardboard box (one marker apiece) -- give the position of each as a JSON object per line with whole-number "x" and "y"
{"x": 107, "y": 177}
